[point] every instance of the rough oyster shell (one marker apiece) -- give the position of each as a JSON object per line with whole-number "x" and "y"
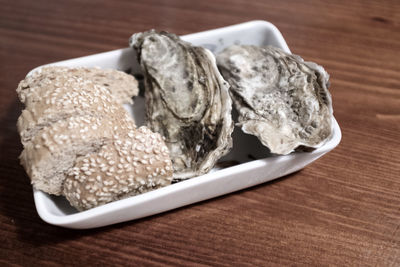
{"x": 281, "y": 99}
{"x": 187, "y": 101}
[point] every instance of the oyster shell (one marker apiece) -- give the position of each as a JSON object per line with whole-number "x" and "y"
{"x": 281, "y": 99}
{"x": 187, "y": 101}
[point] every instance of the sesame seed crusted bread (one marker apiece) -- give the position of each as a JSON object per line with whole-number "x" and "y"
{"x": 74, "y": 130}
{"x": 75, "y": 98}
{"x": 56, "y": 93}
{"x": 54, "y": 149}
{"x": 121, "y": 85}
{"x": 124, "y": 167}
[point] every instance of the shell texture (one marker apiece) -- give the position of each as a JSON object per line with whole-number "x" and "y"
{"x": 187, "y": 101}
{"x": 281, "y": 99}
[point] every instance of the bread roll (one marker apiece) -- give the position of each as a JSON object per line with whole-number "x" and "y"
{"x": 121, "y": 85}
{"x": 56, "y": 93}
{"x": 73, "y": 127}
{"x": 124, "y": 167}
{"x": 53, "y": 151}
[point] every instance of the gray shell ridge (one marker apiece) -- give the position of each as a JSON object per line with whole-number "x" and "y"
{"x": 187, "y": 101}
{"x": 281, "y": 99}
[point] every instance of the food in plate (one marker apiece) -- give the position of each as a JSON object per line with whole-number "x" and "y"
{"x": 281, "y": 99}
{"x": 187, "y": 101}
{"x": 73, "y": 118}
{"x": 80, "y": 142}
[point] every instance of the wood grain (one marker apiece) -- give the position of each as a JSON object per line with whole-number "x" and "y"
{"x": 342, "y": 210}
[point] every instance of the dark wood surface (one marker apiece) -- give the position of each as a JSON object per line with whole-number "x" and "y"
{"x": 343, "y": 210}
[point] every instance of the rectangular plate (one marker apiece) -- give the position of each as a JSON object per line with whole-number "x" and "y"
{"x": 256, "y": 165}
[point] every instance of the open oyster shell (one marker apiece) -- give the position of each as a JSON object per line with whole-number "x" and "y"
{"x": 281, "y": 99}
{"x": 187, "y": 101}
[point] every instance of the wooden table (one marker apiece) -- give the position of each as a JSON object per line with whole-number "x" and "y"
{"x": 343, "y": 210}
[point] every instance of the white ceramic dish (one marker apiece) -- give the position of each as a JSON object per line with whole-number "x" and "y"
{"x": 256, "y": 165}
